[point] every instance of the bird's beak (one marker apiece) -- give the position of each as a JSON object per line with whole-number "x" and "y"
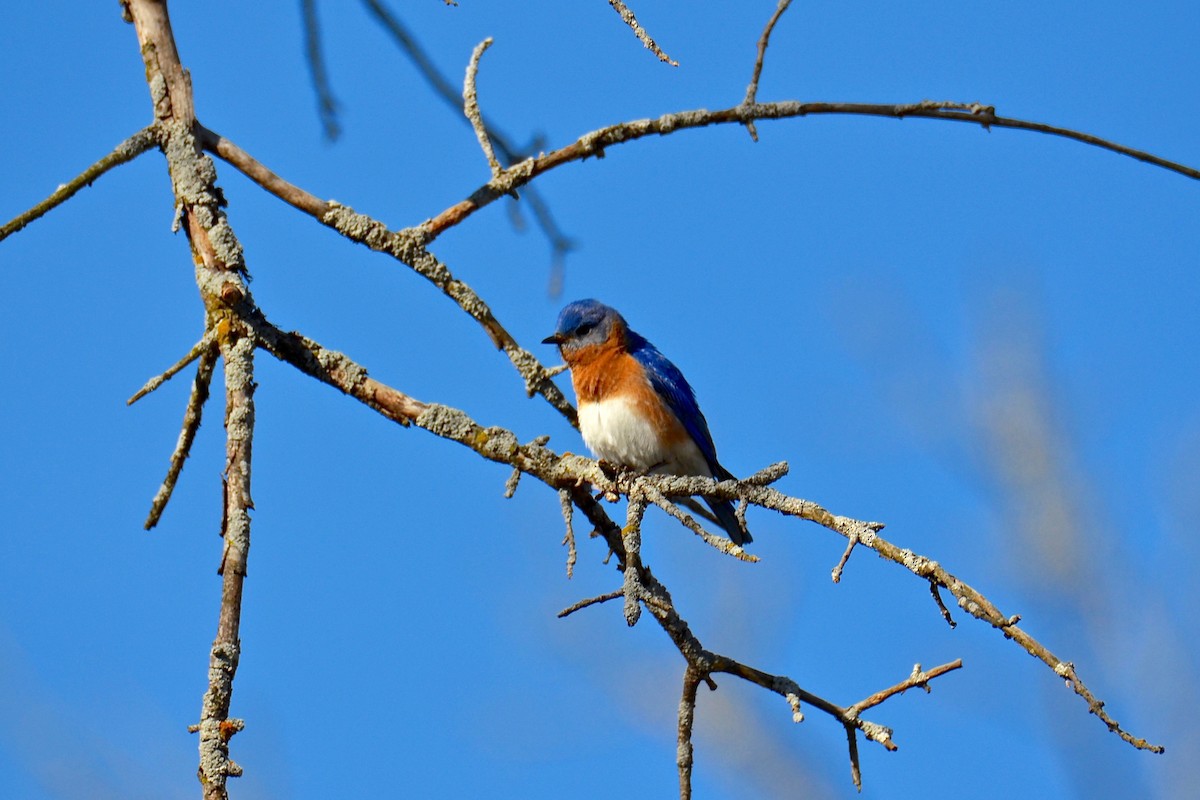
{"x": 554, "y": 338}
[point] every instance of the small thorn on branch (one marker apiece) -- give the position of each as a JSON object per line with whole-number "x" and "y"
{"x": 937, "y": 598}
{"x": 510, "y": 485}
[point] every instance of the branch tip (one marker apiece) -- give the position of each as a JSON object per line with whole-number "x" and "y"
{"x": 471, "y": 108}
{"x": 629, "y": 19}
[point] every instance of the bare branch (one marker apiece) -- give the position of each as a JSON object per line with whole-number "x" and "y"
{"x": 568, "y": 512}
{"x": 855, "y": 765}
{"x": 937, "y": 598}
{"x": 569, "y": 473}
{"x": 687, "y": 715}
{"x": 187, "y": 435}
{"x": 406, "y": 246}
{"x": 337, "y": 370}
{"x": 572, "y": 473}
{"x": 220, "y": 276}
{"x": 752, "y": 89}
{"x": 591, "y": 601}
{"x": 631, "y": 539}
{"x": 719, "y": 542}
{"x": 917, "y": 678}
{"x": 841, "y": 564}
{"x": 125, "y": 152}
{"x": 471, "y": 106}
{"x": 594, "y": 144}
{"x": 216, "y": 727}
{"x": 630, "y": 20}
{"x": 205, "y": 344}
{"x": 246, "y": 164}
{"x": 327, "y": 105}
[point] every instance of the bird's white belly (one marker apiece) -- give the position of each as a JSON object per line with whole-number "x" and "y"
{"x": 615, "y": 432}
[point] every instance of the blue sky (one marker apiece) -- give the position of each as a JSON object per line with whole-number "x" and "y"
{"x": 985, "y": 340}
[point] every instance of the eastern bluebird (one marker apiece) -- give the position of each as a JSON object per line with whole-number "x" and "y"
{"x": 635, "y": 407}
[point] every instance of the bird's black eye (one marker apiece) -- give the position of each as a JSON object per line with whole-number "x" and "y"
{"x": 585, "y": 329}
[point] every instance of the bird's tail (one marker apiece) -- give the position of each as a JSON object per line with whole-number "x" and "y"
{"x": 729, "y": 521}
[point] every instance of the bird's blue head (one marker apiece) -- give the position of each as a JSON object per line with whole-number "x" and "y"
{"x": 584, "y": 323}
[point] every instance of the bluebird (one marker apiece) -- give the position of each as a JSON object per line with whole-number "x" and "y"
{"x": 636, "y": 409}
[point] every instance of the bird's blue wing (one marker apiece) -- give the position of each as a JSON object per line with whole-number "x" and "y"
{"x": 670, "y": 384}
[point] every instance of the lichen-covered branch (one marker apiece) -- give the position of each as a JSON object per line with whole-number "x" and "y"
{"x": 595, "y": 143}
{"x": 406, "y": 246}
{"x": 687, "y": 717}
{"x": 471, "y": 106}
{"x": 216, "y": 726}
{"x": 573, "y": 475}
{"x": 220, "y": 271}
{"x": 125, "y": 152}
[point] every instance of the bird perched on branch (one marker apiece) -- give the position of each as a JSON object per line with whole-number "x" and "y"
{"x": 636, "y": 409}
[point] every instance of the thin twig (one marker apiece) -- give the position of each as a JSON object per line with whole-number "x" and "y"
{"x": 855, "y": 766}
{"x": 630, "y": 20}
{"x": 187, "y": 434}
{"x": 471, "y": 106}
{"x": 720, "y": 543}
{"x": 934, "y": 590}
{"x": 125, "y": 152}
{"x": 841, "y": 564}
{"x": 917, "y": 678}
{"x": 205, "y": 344}
{"x": 752, "y": 89}
{"x": 568, "y": 512}
{"x": 594, "y": 144}
{"x": 246, "y": 164}
{"x": 591, "y": 601}
{"x": 327, "y": 105}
